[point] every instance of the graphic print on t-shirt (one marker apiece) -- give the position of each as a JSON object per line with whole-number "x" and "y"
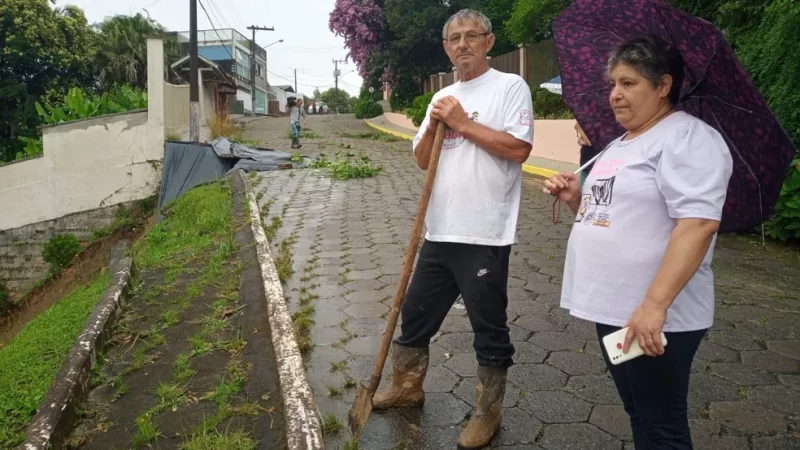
{"x": 594, "y": 206}
{"x": 453, "y": 138}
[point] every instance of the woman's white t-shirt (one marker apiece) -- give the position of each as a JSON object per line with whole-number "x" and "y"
{"x": 630, "y": 201}
{"x": 476, "y": 195}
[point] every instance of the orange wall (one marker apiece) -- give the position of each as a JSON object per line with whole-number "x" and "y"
{"x": 552, "y": 139}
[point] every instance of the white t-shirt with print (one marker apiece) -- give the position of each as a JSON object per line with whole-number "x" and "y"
{"x": 476, "y": 195}
{"x": 636, "y": 190}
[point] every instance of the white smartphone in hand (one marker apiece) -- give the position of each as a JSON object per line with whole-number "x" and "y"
{"x": 614, "y": 342}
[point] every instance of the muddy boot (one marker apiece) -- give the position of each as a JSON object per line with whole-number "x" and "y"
{"x": 490, "y": 388}
{"x": 294, "y": 142}
{"x": 409, "y": 368}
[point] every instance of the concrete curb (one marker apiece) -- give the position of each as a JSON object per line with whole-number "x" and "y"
{"x": 303, "y": 431}
{"x": 55, "y": 416}
{"x": 535, "y": 170}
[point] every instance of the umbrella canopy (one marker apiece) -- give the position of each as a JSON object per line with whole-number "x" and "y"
{"x": 717, "y": 89}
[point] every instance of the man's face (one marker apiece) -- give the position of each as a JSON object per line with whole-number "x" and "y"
{"x": 467, "y": 44}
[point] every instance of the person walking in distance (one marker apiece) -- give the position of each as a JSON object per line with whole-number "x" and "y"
{"x": 471, "y": 222}
{"x": 295, "y": 113}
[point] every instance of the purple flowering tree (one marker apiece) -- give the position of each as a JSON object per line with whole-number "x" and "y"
{"x": 361, "y": 24}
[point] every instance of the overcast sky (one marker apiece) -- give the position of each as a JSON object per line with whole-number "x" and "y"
{"x": 308, "y": 46}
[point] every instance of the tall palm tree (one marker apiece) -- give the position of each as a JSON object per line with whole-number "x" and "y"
{"x": 122, "y": 54}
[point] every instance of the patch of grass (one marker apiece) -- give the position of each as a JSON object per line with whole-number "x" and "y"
{"x": 344, "y": 168}
{"x": 305, "y": 344}
{"x": 304, "y": 134}
{"x": 199, "y": 345}
{"x": 170, "y": 317}
{"x": 349, "y": 382}
{"x": 271, "y": 230}
{"x": 331, "y": 424}
{"x": 221, "y": 126}
{"x": 283, "y": 261}
{"x": 303, "y": 318}
{"x": 157, "y": 339}
{"x": 214, "y": 440}
{"x": 146, "y": 430}
{"x": 742, "y": 392}
{"x": 29, "y": 363}
{"x": 231, "y": 385}
{"x": 352, "y": 444}
{"x": 372, "y": 136}
{"x": 193, "y": 224}
{"x": 340, "y": 366}
{"x": 334, "y": 391}
{"x": 170, "y": 394}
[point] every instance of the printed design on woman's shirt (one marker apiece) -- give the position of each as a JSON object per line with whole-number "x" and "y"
{"x": 453, "y": 138}
{"x": 594, "y": 206}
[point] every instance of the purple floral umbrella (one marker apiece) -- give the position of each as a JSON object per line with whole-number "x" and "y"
{"x": 716, "y": 89}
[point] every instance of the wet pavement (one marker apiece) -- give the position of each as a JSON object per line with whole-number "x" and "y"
{"x": 349, "y": 241}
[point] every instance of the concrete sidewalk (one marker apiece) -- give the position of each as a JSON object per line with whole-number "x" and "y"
{"x": 347, "y": 240}
{"x": 542, "y": 167}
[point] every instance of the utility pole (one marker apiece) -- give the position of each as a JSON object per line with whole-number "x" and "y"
{"x": 253, "y": 65}
{"x": 194, "y": 90}
{"x": 336, "y": 74}
{"x": 295, "y": 81}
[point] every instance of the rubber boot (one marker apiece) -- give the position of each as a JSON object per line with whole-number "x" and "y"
{"x": 490, "y": 388}
{"x": 409, "y": 368}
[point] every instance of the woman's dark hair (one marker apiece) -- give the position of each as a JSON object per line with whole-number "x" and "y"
{"x": 653, "y": 58}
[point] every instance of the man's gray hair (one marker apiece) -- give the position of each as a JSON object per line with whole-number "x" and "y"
{"x": 468, "y": 15}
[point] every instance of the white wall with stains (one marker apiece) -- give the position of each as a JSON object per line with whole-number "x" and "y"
{"x": 92, "y": 163}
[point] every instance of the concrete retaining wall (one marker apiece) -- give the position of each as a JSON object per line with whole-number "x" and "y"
{"x": 21, "y": 263}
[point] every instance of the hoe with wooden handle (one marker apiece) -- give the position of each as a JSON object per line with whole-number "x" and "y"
{"x": 362, "y": 406}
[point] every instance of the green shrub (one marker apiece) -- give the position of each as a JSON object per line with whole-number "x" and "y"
{"x": 60, "y": 250}
{"x": 416, "y": 111}
{"x": 367, "y": 109}
{"x": 5, "y": 299}
{"x": 785, "y": 224}
{"x": 78, "y": 105}
{"x": 547, "y": 105}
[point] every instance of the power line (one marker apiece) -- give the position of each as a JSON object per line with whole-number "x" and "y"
{"x": 292, "y": 81}
{"x": 215, "y": 28}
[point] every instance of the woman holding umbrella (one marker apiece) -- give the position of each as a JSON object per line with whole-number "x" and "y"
{"x": 639, "y": 255}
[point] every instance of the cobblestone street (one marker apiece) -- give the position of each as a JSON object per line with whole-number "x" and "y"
{"x": 347, "y": 240}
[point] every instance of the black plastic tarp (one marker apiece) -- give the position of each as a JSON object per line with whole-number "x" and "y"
{"x": 260, "y": 159}
{"x": 187, "y": 165}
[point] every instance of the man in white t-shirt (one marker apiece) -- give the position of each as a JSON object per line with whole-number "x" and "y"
{"x": 471, "y": 221}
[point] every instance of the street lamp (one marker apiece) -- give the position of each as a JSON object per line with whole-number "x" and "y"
{"x": 279, "y": 40}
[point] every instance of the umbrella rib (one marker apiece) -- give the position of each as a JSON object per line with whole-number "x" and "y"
{"x": 749, "y": 169}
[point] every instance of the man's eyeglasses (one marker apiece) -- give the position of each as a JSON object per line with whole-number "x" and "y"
{"x": 470, "y": 37}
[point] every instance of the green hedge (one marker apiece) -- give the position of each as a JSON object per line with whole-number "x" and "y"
{"x": 367, "y": 109}
{"x": 416, "y": 112}
{"x": 785, "y": 224}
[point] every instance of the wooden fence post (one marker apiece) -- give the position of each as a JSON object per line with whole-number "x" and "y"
{"x": 523, "y": 59}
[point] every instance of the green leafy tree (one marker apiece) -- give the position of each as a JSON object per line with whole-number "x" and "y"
{"x": 335, "y": 98}
{"x": 122, "y": 55}
{"x": 530, "y": 20}
{"x": 43, "y": 52}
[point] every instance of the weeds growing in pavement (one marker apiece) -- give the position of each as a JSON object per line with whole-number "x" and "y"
{"x": 331, "y": 424}
{"x": 372, "y": 136}
{"x": 346, "y": 166}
